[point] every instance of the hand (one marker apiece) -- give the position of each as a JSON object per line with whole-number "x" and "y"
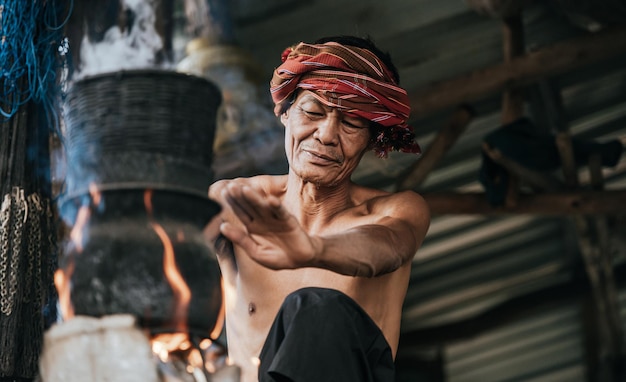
{"x": 269, "y": 234}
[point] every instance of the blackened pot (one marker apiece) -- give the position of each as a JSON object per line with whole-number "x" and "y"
{"x": 115, "y": 257}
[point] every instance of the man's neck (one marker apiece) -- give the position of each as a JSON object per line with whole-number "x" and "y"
{"x": 314, "y": 205}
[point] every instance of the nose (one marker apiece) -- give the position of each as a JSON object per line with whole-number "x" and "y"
{"x": 327, "y": 130}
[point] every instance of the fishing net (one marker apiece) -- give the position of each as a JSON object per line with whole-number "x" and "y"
{"x": 30, "y": 43}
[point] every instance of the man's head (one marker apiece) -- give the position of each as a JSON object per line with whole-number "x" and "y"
{"x": 353, "y": 75}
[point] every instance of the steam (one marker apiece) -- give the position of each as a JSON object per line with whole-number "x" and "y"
{"x": 136, "y": 47}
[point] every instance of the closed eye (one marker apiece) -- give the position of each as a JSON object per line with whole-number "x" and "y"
{"x": 310, "y": 113}
{"x": 352, "y": 125}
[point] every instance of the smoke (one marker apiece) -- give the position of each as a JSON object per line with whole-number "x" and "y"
{"x": 135, "y": 47}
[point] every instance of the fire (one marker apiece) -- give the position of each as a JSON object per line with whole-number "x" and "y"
{"x": 63, "y": 277}
{"x": 166, "y": 343}
{"x": 62, "y": 283}
{"x": 177, "y": 345}
{"x": 207, "y": 355}
{"x": 219, "y": 323}
{"x": 182, "y": 293}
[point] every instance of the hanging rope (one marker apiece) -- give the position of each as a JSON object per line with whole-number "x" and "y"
{"x": 31, "y": 44}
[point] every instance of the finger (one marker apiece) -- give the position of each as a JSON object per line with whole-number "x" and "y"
{"x": 263, "y": 206}
{"x": 252, "y": 201}
{"x": 232, "y": 196}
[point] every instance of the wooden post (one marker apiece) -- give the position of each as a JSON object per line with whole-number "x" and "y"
{"x": 512, "y": 47}
{"x": 551, "y": 97}
{"x": 605, "y": 266}
{"x": 512, "y": 97}
{"x": 593, "y": 239}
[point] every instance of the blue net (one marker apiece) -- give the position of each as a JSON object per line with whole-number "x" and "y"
{"x": 31, "y": 52}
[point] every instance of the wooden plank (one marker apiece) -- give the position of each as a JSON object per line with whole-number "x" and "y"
{"x": 609, "y": 202}
{"x": 558, "y": 58}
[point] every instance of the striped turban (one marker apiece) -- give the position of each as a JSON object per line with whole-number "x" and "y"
{"x": 354, "y": 80}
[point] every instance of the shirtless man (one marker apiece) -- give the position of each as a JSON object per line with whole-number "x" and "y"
{"x": 315, "y": 265}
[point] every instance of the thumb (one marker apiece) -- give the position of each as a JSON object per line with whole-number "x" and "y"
{"x": 233, "y": 232}
{"x": 237, "y": 235}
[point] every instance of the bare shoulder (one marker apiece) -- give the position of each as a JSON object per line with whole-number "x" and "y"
{"x": 381, "y": 201}
{"x": 408, "y": 206}
{"x": 403, "y": 202}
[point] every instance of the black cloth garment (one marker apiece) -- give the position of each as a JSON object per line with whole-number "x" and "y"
{"x": 322, "y": 335}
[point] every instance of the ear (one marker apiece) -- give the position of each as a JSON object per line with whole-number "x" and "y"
{"x": 284, "y": 116}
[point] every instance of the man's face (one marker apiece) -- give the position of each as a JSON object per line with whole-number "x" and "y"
{"x": 323, "y": 145}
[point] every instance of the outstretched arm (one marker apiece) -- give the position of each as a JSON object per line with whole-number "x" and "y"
{"x": 273, "y": 237}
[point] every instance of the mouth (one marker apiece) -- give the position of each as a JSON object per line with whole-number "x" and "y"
{"x": 321, "y": 157}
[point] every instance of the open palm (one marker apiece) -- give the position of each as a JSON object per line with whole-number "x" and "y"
{"x": 269, "y": 234}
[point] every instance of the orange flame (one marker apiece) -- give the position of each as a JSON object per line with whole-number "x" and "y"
{"x": 62, "y": 283}
{"x": 165, "y": 343}
{"x": 182, "y": 293}
{"x": 63, "y": 277}
{"x": 177, "y": 345}
{"x": 219, "y": 323}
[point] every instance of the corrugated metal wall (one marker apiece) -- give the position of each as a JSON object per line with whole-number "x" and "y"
{"x": 546, "y": 347}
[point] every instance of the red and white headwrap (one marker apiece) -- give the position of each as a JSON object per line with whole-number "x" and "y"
{"x": 352, "y": 79}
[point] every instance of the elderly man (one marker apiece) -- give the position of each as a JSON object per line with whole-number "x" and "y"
{"x": 316, "y": 267}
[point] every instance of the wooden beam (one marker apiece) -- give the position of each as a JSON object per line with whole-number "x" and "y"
{"x": 558, "y": 58}
{"x": 444, "y": 140}
{"x": 607, "y": 202}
